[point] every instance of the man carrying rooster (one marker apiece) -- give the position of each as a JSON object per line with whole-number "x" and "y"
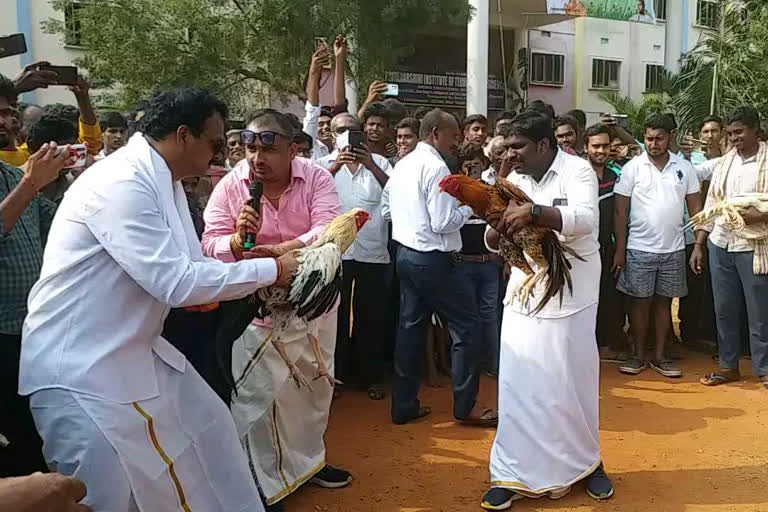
{"x": 544, "y": 220}
{"x": 281, "y": 424}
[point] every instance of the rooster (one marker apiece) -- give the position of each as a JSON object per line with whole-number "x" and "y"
{"x": 313, "y": 291}
{"x": 539, "y": 243}
{"x": 730, "y": 211}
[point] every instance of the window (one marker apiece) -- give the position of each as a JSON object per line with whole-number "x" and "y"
{"x": 654, "y": 76}
{"x": 547, "y": 69}
{"x": 660, "y": 6}
{"x": 73, "y": 13}
{"x": 605, "y": 74}
{"x": 706, "y": 13}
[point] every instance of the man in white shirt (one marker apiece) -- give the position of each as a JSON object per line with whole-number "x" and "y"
{"x": 426, "y": 224}
{"x": 549, "y": 370}
{"x": 734, "y": 262}
{"x": 117, "y": 405}
{"x": 360, "y": 179}
{"x": 653, "y": 190}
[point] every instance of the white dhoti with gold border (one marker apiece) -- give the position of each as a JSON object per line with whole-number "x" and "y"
{"x": 282, "y": 426}
{"x": 178, "y": 451}
{"x": 549, "y": 375}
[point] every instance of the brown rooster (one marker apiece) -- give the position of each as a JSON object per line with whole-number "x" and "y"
{"x": 539, "y": 243}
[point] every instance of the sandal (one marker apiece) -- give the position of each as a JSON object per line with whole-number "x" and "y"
{"x": 718, "y": 378}
{"x": 764, "y": 380}
{"x": 488, "y": 418}
{"x": 376, "y": 393}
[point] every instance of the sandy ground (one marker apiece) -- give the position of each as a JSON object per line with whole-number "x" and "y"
{"x": 669, "y": 445}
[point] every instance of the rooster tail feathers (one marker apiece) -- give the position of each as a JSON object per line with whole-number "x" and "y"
{"x": 559, "y": 271}
{"x": 318, "y": 276}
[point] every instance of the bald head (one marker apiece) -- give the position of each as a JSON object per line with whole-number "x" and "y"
{"x": 344, "y": 122}
{"x": 496, "y": 151}
{"x": 440, "y": 130}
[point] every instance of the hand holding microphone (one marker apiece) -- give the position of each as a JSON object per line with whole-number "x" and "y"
{"x": 256, "y": 189}
{"x": 248, "y": 223}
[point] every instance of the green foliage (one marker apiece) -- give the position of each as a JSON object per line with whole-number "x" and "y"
{"x": 611, "y": 9}
{"x": 637, "y": 113}
{"x": 235, "y": 47}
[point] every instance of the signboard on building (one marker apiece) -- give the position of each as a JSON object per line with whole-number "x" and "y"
{"x": 441, "y": 90}
{"x": 641, "y": 11}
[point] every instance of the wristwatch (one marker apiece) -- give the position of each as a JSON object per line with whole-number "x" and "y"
{"x": 536, "y": 211}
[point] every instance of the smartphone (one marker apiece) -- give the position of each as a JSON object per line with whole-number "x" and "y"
{"x": 78, "y": 155}
{"x": 12, "y": 45}
{"x": 392, "y": 90}
{"x": 67, "y": 74}
{"x": 622, "y": 120}
{"x": 356, "y": 139}
{"x": 322, "y": 42}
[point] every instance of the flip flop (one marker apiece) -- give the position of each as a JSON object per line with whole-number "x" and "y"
{"x": 376, "y": 393}
{"x": 716, "y": 379}
{"x": 764, "y": 380}
{"x": 489, "y": 418}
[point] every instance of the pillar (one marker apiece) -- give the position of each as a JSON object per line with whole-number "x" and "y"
{"x": 477, "y": 59}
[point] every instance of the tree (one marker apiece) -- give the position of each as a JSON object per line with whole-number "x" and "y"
{"x": 231, "y": 46}
{"x": 637, "y": 112}
{"x": 726, "y": 68}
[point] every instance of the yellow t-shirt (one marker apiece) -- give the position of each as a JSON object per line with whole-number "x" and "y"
{"x": 17, "y": 157}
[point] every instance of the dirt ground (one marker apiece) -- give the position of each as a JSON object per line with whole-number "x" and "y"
{"x": 671, "y": 446}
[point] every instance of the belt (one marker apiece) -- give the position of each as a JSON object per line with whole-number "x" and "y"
{"x": 476, "y": 258}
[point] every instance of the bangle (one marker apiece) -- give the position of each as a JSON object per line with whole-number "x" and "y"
{"x": 279, "y": 269}
{"x": 700, "y": 244}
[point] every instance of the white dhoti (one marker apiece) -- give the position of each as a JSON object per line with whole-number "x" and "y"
{"x": 549, "y": 373}
{"x": 280, "y": 425}
{"x": 178, "y": 451}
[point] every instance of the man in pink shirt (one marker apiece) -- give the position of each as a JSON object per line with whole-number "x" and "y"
{"x": 299, "y": 200}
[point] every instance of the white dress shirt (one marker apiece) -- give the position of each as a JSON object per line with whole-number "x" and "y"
{"x": 657, "y": 202}
{"x": 742, "y": 179}
{"x": 361, "y": 189}
{"x": 423, "y": 218}
{"x": 309, "y": 126}
{"x": 489, "y": 176}
{"x": 121, "y": 252}
{"x": 571, "y": 186}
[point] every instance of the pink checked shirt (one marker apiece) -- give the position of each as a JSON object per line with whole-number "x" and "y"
{"x": 309, "y": 203}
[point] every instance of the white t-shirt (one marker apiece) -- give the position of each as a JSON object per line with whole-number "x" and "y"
{"x": 657, "y": 202}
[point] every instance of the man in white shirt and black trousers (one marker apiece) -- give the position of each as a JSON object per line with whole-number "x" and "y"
{"x": 426, "y": 224}
{"x": 360, "y": 179}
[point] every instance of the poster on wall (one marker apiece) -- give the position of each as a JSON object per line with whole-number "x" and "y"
{"x": 640, "y": 11}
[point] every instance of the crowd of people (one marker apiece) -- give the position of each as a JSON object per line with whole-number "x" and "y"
{"x": 115, "y": 275}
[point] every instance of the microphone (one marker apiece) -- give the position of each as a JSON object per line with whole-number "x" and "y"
{"x": 256, "y": 189}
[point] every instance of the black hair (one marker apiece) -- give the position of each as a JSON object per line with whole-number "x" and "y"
{"x": 51, "y": 128}
{"x": 420, "y": 112}
{"x": 112, "y": 120}
{"x": 475, "y": 118}
{"x": 189, "y": 106}
{"x": 301, "y": 136}
{"x": 595, "y": 130}
{"x": 434, "y": 119}
{"x": 294, "y": 119}
{"x": 396, "y": 111}
{"x": 470, "y": 152}
{"x": 326, "y": 112}
{"x": 507, "y": 114}
{"x": 376, "y": 109}
{"x": 711, "y": 119}
{"x": 542, "y": 107}
{"x": 746, "y": 115}
{"x": 409, "y": 122}
{"x": 281, "y": 120}
{"x": 61, "y": 110}
{"x": 671, "y": 118}
{"x": 566, "y": 121}
{"x": 533, "y": 125}
{"x": 579, "y": 115}
{"x": 660, "y": 122}
{"x": 8, "y": 89}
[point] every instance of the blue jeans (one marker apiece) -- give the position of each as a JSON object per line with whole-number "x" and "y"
{"x": 432, "y": 282}
{"x": 484, "y": 278}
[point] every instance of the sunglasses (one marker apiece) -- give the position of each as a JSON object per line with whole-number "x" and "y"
{"x": 266, "y": 138}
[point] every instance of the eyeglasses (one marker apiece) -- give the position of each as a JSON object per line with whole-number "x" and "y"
{"x": 267, "y": 138}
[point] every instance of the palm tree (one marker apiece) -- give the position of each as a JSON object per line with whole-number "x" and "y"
{"x": 637, "y": 112}
{"x": 724, "y": 69}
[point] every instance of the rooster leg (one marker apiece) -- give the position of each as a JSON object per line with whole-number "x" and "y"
{"x": 525, "y": 292}
{"x": 322, "y": 369}
{"x": 296, "y": 375}
{"x": 514, "y": 292}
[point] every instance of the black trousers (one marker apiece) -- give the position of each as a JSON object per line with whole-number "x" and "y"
{"x": 610, "y": 308}
{"x": 23, "y": 455}
{"x": 434, "y": 282}
{"x": 362, "y": 353}
{"x": 194, "y": 334}
{"x": 697, "y": 309}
